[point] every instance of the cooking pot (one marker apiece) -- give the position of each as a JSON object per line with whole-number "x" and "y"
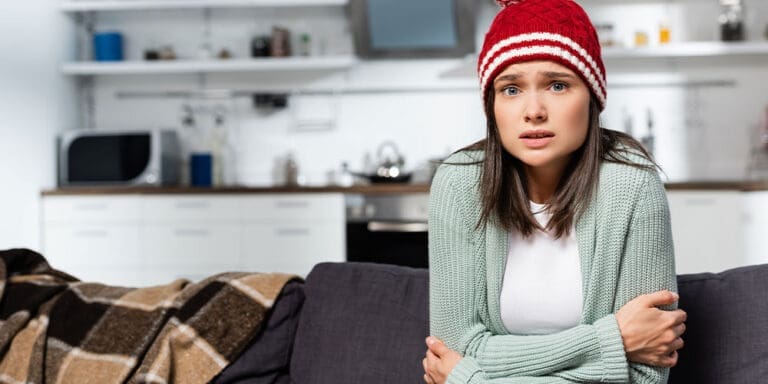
{"x": 390, "y": 168}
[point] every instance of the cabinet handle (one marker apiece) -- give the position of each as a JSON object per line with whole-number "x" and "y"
{"x": 92, "y": 233}
{"x": 192, "y": 232}
{"x": 193, "y": 204}
{"x": 292, "y": 204}
{"x": 292, "y": 231}
{"x": 382, "y": 226}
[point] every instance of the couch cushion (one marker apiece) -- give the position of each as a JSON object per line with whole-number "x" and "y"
{"x": 362, "y": 323}
{"x": 266, "y": 360}
{"x": 726, "y": 340}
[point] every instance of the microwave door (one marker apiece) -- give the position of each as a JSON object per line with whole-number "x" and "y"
{"x": 107, "y": 158}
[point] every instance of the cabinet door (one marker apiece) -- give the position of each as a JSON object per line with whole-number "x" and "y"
{"x": 85, "y": 251}
{"x": 190, "y": 250}
{"x": 201, "y": 209}
{"x": 292, "y": 233}
{"x": 292, "y": 247}
{"x": 707, "y": 230}
{"x": 300, "y": 207}
{"x": 91, "y": 209}
{"x": 756, "y": 227}
{"x": 94, "y": 238}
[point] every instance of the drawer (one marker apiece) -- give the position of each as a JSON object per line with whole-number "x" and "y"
{"x": 185, "y": 247}
{"x": 291, "y": 247}
{"x": 84, "y": 209}
{"x": 70, "y": 247}
{"x": 291, "y": 207}
{"x": 160, "y": 209}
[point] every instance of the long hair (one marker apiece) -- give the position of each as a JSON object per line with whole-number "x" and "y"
{"x": 504, "y": 188}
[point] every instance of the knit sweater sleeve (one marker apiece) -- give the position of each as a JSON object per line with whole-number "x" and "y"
{"x": 648, "y": 263}
{"x": 585, "y": 353}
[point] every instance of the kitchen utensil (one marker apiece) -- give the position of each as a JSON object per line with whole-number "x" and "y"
{"x": 108, "y": 46}
{"x": 390, "y": 168}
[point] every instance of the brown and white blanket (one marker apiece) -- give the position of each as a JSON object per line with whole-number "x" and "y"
{"x": 56, "y": 329}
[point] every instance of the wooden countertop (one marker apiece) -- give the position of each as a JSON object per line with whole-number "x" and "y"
{"x": 374, "y": 189}
{"x": 743, "y": 186}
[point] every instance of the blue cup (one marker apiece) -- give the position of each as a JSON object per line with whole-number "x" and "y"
{"x": 201, "y": 170}
{"x": 108, "y": 46}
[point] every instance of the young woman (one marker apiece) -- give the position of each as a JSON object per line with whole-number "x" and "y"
{"x": 550, "y": 244}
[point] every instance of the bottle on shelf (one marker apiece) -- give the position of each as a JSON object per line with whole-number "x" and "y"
{"x": 648, "y": 140}
{"x": 665, "y": 35}
{"x": 731, "y": 20}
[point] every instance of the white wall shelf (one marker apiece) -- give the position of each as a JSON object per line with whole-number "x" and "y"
{"x": 287, "y": 64}
{"x": 128, "y": 5}
{"x": 690, "y": 50}
{"x": 699, "y": 49}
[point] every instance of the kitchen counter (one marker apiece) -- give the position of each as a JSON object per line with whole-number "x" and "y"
{"x": 733, "y": 185}
{"x": 373, "y": 189}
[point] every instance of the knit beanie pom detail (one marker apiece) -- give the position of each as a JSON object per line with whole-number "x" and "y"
{"x": 505, "y": 3}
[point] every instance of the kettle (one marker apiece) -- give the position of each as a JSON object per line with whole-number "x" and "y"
{"x": 390, "y": 164}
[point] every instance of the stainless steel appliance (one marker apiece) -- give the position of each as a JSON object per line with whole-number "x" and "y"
{"x": 390, "y": 229}
{"x": 149, "y": 157}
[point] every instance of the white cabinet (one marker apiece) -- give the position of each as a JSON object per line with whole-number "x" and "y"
{"x": 756, "y": 227}
{"x": 707, "y": 230}
{"x": 292, "y": 233}
{"x": 93, "y": 237}
{"x": 144, "y": 240}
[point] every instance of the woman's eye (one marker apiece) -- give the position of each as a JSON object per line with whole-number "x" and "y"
{"x": 559, "y": 87}
{"x": 510, "y": 91}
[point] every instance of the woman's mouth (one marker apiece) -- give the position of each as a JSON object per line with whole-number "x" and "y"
{"x": 537, "y": 138}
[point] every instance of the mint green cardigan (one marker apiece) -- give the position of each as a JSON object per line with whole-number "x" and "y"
{"x": 625, "y": 246}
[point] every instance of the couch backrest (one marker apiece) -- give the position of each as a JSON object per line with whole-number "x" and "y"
{"x": 361, "y": 323}
{"x": 366, "y": 323}
{"x": 726, "y": 338}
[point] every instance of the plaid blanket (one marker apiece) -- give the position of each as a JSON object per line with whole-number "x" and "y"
{"x": 56, "y": 329}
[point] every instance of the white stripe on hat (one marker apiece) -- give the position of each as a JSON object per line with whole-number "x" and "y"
{"x": 549, "y": 50}
{"x": 545, "y": 36}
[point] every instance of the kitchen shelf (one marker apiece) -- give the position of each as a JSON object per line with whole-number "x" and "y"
{"x": 288, "y": 64}
{"x": 128, "y": 5}
{"x": 698, "y": 49}
{"x": 689, "y": 50}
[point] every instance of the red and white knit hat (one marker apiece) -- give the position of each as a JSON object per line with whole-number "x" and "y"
{"x": 557, "y": 30}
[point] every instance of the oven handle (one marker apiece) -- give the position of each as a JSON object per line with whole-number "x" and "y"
{"x": 383, "y": 226}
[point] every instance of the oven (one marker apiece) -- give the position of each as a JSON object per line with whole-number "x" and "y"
{"x": 389, "y": 229}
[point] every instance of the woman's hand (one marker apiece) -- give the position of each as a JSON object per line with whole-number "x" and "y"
{"x": 439, "y": 361}
{"x": 651, "y": 335}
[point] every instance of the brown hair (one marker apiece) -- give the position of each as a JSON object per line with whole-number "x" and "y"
{"x": 503, "y": 186}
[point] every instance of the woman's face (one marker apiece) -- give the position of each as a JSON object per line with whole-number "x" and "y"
{"x": 542, "y": 113}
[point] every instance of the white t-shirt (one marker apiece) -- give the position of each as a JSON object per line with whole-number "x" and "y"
{"x": 542, "y": 290}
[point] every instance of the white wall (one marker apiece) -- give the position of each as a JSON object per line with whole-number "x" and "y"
{"x": 702, "y": 132}
{"x": 34, "y": 103}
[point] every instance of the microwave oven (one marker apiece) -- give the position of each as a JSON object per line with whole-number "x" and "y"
{"x": 93, "y": 158}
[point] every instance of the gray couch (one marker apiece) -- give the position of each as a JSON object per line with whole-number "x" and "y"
{"x": 366, "y": 323}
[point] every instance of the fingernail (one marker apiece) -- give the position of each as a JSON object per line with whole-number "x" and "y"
{"x": 675, "y": 295}
{"x": 430, "y": 340}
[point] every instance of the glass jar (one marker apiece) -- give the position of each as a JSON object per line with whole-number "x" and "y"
{"x": 731, "y": 20}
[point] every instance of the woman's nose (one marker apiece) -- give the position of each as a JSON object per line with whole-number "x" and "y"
{"x": 535, "y": 111}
